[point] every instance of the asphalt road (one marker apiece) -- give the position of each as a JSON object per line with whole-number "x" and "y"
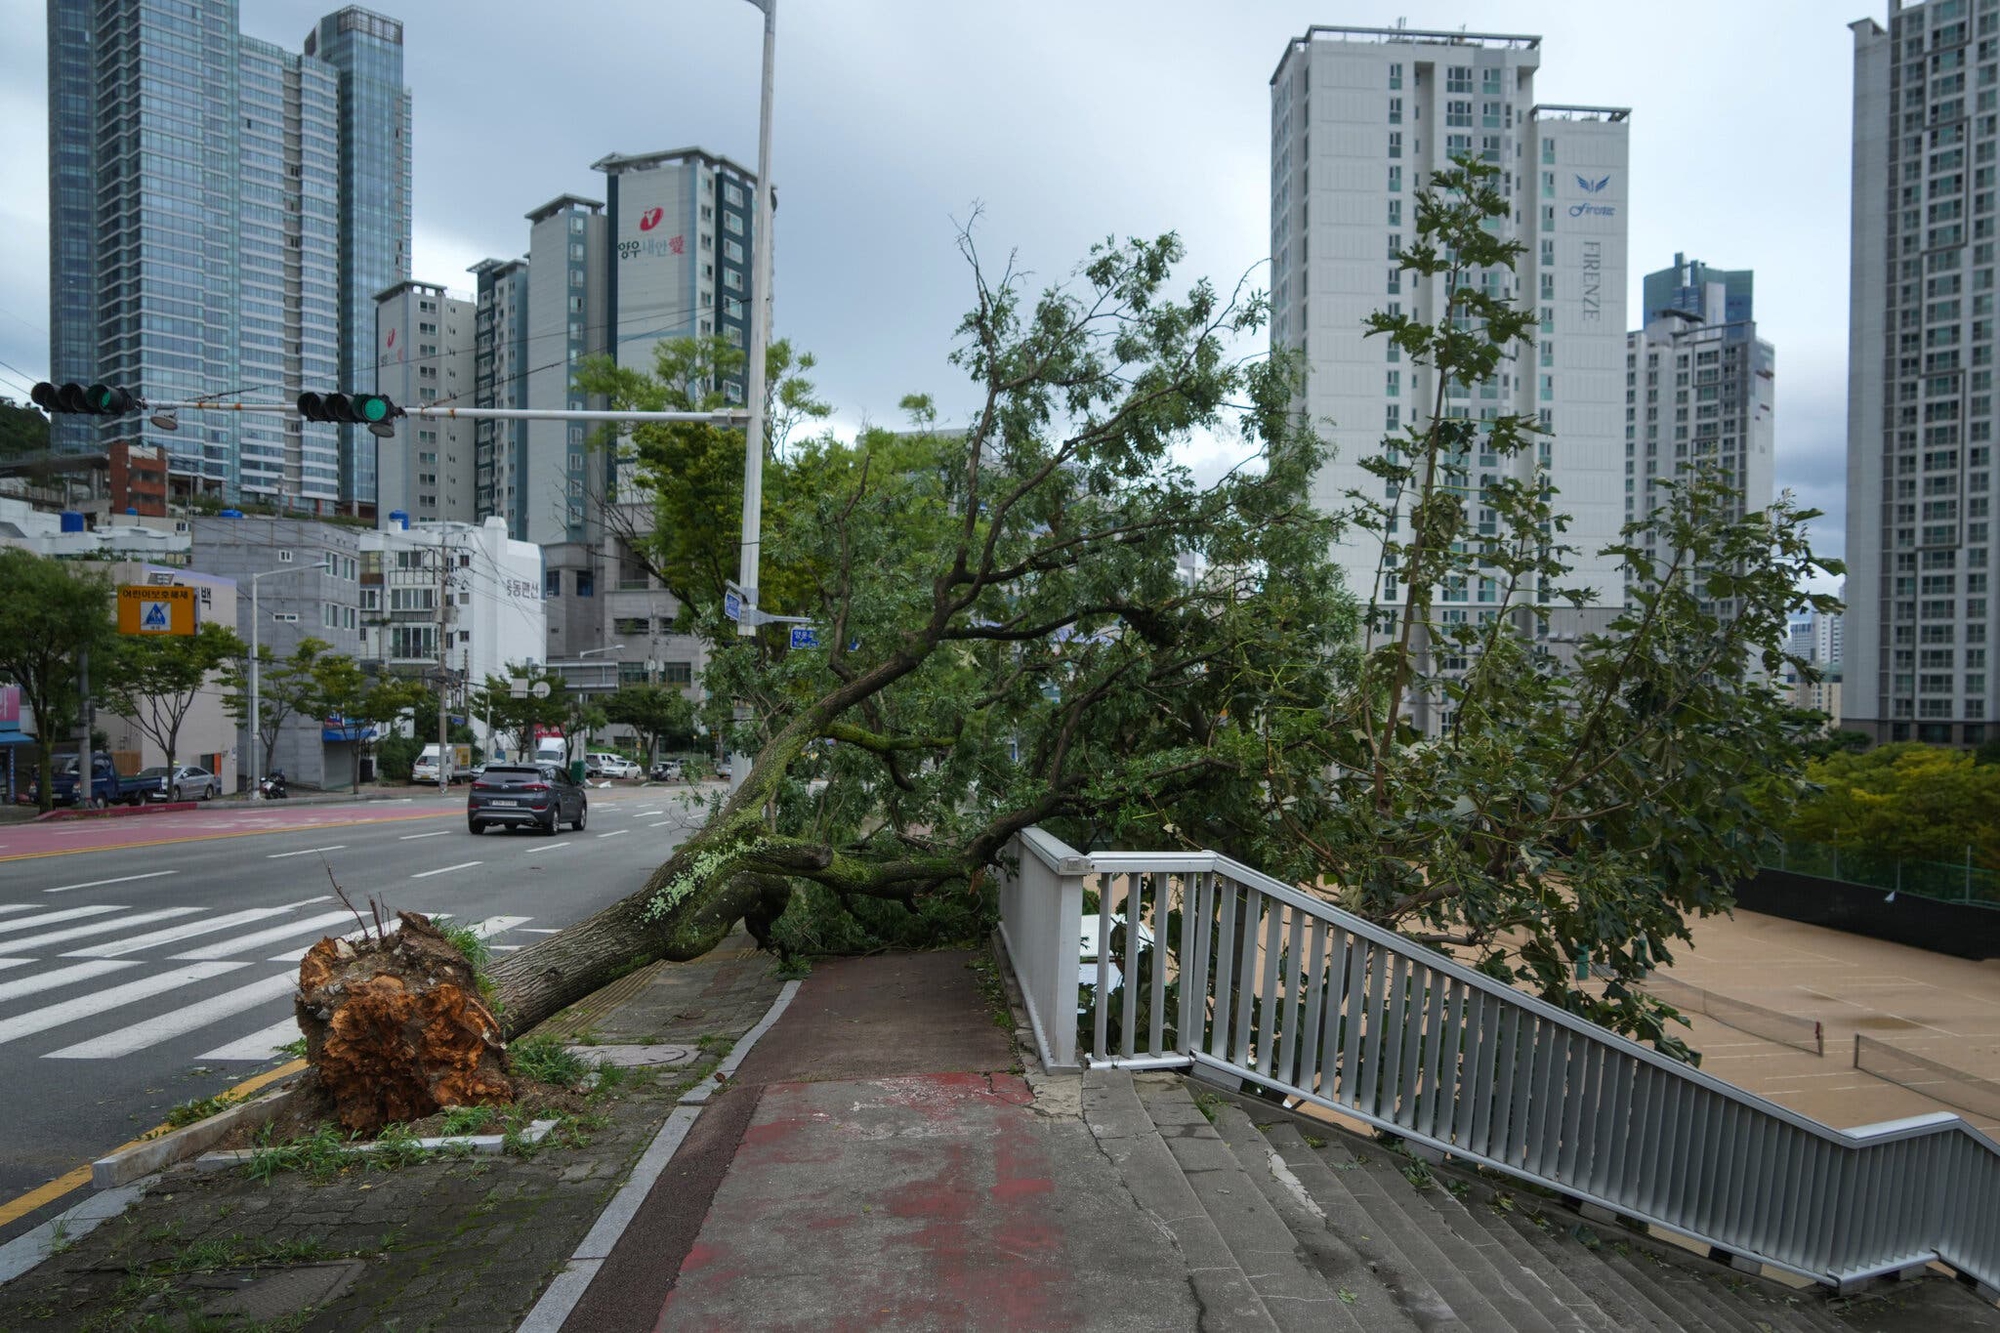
{"x": 138, "y": 976}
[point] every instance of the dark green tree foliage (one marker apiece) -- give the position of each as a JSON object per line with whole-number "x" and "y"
{"x": 24, "y": 431}
{"x": 50, "y": 615}
{"x": 358, "y": 706}
{"x": 153, "y": 679}
{"x": 1008, "y": 636}
{"x": 516, "y": 719}
{"x": 287, "y": 687}
{"x": 1572, "y": 809}
{"x": 657, "y": 712}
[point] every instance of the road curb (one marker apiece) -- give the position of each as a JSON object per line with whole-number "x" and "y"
{"x": 120, "y": 811}
{"x": 144, "y": 1159}
{"x": 569, "y": 1285}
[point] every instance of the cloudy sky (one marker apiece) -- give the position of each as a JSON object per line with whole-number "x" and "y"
{"x": 1065, "y": 121}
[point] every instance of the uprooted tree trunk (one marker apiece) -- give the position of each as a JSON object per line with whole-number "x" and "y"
{"x": 395, "y": 1027}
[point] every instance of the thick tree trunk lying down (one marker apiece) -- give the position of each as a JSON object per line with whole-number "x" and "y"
{"x": 396, "y": 1029}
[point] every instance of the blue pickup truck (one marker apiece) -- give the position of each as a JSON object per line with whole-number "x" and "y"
{"x": 106, "y": 786}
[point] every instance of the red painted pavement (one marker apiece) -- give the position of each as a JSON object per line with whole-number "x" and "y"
{"x": 58, "y": 837}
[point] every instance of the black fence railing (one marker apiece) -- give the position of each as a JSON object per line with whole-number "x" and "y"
{"x": 1947, "y": 881}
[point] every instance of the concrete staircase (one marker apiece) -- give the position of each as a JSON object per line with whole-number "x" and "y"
{"x": 1288, "y": 1223}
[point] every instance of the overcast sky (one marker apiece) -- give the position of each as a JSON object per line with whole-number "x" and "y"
{"x": 1066, "y": 120}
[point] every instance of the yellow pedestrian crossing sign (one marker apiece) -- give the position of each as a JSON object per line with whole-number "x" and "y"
{"x": 155, "y": 610}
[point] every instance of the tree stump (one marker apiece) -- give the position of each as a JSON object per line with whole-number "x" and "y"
{"x": 396, "y": 1029}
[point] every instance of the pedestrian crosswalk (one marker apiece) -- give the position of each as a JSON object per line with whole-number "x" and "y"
{"x": 106, "y": 982}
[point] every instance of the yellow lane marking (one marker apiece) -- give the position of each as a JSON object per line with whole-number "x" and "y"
{"x": 217, "y": 837}
{"x": 63, "y": 1184}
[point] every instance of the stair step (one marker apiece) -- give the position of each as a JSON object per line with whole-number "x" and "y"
{"x": 1469, "y": 1213}
{"x": 1293, "y": 1292}
{"x": 1599, "y": 1281}
{"x": 1652, "y": 1282}
{"x": 1503, "y": 1288}
{"x": 1325, "y": 1234}
{"x": 1126, "y": 1134}
{"x": 1446, "y": 1273}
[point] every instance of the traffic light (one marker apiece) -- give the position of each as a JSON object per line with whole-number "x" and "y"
{"x": 355, "y": 409}
{"x": 100, "y": 400}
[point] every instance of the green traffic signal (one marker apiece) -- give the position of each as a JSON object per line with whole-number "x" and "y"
{"x": 371, "y": 408}
{"x": 72, "y": 398}
{"x": 361, "y": 409}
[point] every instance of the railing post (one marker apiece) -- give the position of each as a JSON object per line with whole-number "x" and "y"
{"x": 1069, "y": 933}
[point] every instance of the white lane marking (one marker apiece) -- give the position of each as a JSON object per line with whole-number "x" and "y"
{"x": 412, "y": 837}
{"x": 446, "y": 870}
{"x": 100, "y": 927}
{"x": 663, "y": 823}
{"x": 494, "y": 925}
{"x": 55, "y": 1015}
{"x": 503, "y": 948}
{"x": 244, "y": 943}
{"x": 308, "y": 902}
{"x": 555, "y": 847}
{"x": 305, "y": 851}
{"x": 99, "y": 883}
{"x": 67, "y": 914}
{"x": 62, "y": 976}
{"x": 186, "y": 930}
{"x": 260, "y": 1045}
{"x": 18, "y": 907}
{"x": 618, "y": 834}
{"x": 541, "y": 930}
{"x": 14, "y": 962}
{"x": 637, "y": 813}
{"x": 176, "y": 1022}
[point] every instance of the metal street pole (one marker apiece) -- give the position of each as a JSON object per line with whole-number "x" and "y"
{"x": 256, "y": 695}
{"x": 760, "y": 339}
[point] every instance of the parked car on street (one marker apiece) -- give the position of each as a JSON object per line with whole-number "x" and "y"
{"x": 666, "y": 770}
{"x": 603, "y": 764}
{"x": 186, "y": 782}
{"x": 107, "y": 786}
{"x": 536, "y": 796}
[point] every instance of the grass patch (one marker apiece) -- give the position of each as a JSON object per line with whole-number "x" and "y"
{"x": 546, "y": 1060}
{"x": 794, "y": 968}
{"x": 239, "y": 1251}
{"x": 201, "y": 1108}
{"x": 295, "y": 1048}
{"x": 986, "y": 974}
{"x": 469, "y": 944}
{"x": 469, "y": 1119}
{"x": 1206, "y": 1103}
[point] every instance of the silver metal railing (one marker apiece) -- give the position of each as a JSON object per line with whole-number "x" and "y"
{"x": 1220, "y": 968}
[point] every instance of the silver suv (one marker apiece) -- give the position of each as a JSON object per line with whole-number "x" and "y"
{"x": 537, "y": 796}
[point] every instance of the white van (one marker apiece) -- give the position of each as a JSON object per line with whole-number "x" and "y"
{"x": 551, "y": 750}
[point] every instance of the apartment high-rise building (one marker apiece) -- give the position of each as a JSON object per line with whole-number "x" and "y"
{"x": 424, "y": 354}
{"x": 201, "y": 206}
{"x": 1920, "y": 490}
{"x": 365, "y": 50}
{"x": 1360, "y": 119}
{"x": 1699, "y": 389}
{"x": 500, "y": 379}
{"x": 569, "y": 313}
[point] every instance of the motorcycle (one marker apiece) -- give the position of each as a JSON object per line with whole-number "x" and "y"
{"x": 273, "y": 787}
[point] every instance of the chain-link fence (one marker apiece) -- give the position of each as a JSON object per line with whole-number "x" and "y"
{"x": 1948, "y": 881}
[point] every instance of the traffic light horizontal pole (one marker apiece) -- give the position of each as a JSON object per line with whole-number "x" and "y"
{"x": 723, "y": 417}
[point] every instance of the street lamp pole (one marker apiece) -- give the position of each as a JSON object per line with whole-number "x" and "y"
{"x": 256, "y": 697}
{"x": 760, "y": 339}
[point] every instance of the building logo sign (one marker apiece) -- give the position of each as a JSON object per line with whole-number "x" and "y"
{"x": 392, "y": 338}
{"x": 653, "y": 246}
{"x": 1593, "y": 281}
{"x": 651, "y": 218}
{"x": 1593, "y": 187}
{"x": 1588, "y": 186}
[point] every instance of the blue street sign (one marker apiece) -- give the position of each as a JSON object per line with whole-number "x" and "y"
{"x": 804, "y": 636}
{"x": 732, "y": 605}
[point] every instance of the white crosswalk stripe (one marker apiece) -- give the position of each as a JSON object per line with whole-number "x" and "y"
{"x": 99, "y": 928}
{"x": 245, "y": 943}
{"x": 15, "y": 962}
{"x": 187, "y": 930}
{"x": 67, "y": 914}
{"x": 6, "y": 908}
{"x": 62, "y": 976}
{"x": 260, "y": 1045}
{"x": 298, "y": 954}
{"x": 55, "y": 1015}
{"x": 174, "y": 1023}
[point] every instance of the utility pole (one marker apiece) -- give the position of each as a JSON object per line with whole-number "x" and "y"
{"x": 760, "y": 339}
{"x": 444, "y": 663}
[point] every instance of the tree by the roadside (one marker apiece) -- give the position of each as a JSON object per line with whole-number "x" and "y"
{"x": 1557, "y": 807}
{"x": 522, "y": 714}
{"x": 24, "y": 431}
{"x": 685, "y": 513}
{"x": 153, "y": 680}
{"x": 656, "y": 712}
{"x": 357, "y": 707}
{"x": 287, "y": 687}
{"x": 1040, "y": 619}
{"x": 1918, "y": 802}
{"x": 51, "y": 614}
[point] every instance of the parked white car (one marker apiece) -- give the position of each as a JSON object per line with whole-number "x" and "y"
{"x": 612, "y": 766}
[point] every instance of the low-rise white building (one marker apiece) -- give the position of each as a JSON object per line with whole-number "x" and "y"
{"x": 455, "y": 602}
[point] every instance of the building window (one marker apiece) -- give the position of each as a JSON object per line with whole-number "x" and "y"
{"x": 1395, "y": 75}
{"x": 677, "y": 673}
{"x": 552, "y": 583}
{"x": 1395, "y": 111}
{"x": 1548, "y": 152}
{"x": 1395, "y": 143}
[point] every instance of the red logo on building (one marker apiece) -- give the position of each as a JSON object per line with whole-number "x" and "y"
{"x": 677, "y": 245}
{"x": 651, "y": 218}
{"x": 392, "y": 337}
